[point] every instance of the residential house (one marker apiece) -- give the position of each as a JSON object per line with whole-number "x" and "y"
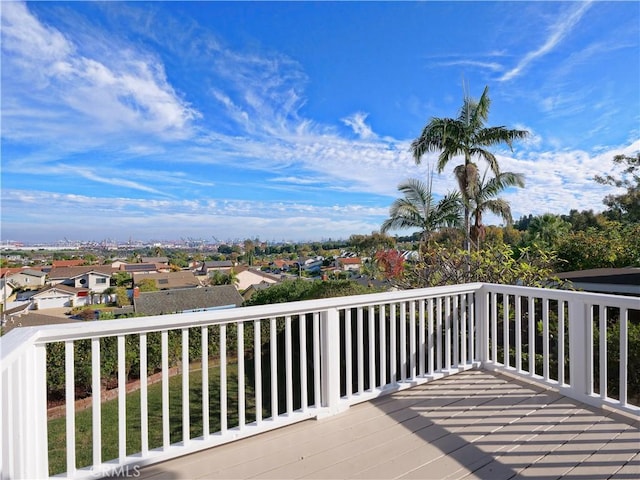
{"x": 59, "y": 296}
{"x": 28, "y": 278}
{"x": 185, "y": 300}
{"x": 211, "y": 266}
{"x": 28, "y": 318}
{"x": 169, "y": 280}
{"x": 253, "y": 289}
{"x": 281, "y": 265}
{"x": 313, "y": 264}
{"x": 251, "y": 276}
{"x": 94, "y": 278}
{"x": 349, "y": 264}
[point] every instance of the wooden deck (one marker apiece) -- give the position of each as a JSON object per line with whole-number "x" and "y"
{"x": 474, "y": 425}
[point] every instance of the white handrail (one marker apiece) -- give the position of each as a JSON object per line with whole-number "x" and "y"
{"x": 351, "y": 350}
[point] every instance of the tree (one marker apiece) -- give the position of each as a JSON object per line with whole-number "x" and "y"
{"x": 547, "y": 229}
{"x": 147, "y": 285}
{"x": 465, "y": 136}
{"x": 220, "y": 278}
{"x": 369, "y": 244}
{"x": 483, "y": 198}
{"x": 418, "y": 209}
{"x": 624, "y": 207}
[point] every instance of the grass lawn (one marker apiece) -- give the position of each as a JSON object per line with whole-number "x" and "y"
{"x": 84, "y": 453}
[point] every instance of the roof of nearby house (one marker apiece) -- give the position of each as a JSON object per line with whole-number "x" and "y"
{"x": 64, "y": 289}
{"x": 31, "y": 272}
{"x": 608, "y": 280}
{"x": 187, "y": 299}
{"x": 73, "y": 272}
{"x": 259, "y": 273}
{"x": 218, "y": 264}
{"x": 34, "y": 319}
{"x": 67, "y": 263}
{"x": 350, "y": 260}
{"x": 251, "y": 289}
{"x": 139, "y": 267}
{"x": 167, "y": 280}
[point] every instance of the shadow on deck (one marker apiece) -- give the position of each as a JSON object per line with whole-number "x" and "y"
{"x": 473, "y": 425}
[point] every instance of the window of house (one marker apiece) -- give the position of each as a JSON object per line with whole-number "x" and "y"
{"x": 83, "y": 281}
{"x": 101, "y": 281}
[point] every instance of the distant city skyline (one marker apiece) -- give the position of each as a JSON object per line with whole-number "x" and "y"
{"x": 292, "y": 120}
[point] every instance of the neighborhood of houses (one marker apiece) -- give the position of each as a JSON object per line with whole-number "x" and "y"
{"x": 47, "y": 294}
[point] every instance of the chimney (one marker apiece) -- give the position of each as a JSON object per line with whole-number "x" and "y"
{"x": 136, "y": 292}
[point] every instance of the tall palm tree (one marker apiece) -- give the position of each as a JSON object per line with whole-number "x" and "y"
{"x": 484, "y": 198}
{"x": 468, "y": 137}
{"x": 418, "y": 209}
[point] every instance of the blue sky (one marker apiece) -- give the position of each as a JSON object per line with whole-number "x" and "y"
{"x": 292, "y": 120}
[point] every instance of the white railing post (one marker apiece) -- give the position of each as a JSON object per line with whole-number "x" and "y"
{"x": 482, "y": 325}
{"x": 330, "y": 358}
{"x": 579, "y": 349}
{"x": 24, "y": 417}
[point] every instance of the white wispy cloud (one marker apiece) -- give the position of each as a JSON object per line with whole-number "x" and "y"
{"x": 357, "y": 121}
{"x": 123, "y": 91}
{"x": 557, "y": 33}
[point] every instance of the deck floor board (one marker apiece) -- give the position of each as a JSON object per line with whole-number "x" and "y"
{"x": 472, "y": 425}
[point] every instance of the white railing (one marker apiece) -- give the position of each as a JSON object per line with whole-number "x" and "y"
{"x": 268, "y": 366}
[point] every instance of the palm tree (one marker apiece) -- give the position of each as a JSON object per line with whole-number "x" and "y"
{"x": 417, "y": 209}
{"x": 465, "y": 136}
{"x": 484, "y": 199}
{"x": 547, "y": 229}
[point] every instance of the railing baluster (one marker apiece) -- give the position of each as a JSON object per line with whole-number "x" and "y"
{"x": 223, "y": 379}
{"x": 430, "y": 322}
{"x": 273, "y": 354}
{"x": 393, "y": 359}
{"x": 348, "y": 353}
{"x": 317, "y": 394}
{"x": 602, "y": 317}
{"x": 439, "y": 335}
{"x": 122, "y": 400}
{"x": 302, "y": 330}
{"x": 472, "y": 329}
{"x": 257, "y": 366}
{"x": 204, "y": 362}
{"x": 96, "y": 401}
{"x": 144, "y": 397}
{"x": 456, "y": 331}
{"x": 561, "y": 342}
{"x": 242, "y": 416}
{"x": 403, "y": 341}
{"x": 518, "y": 333}
{"x": 545, "y": 339}
{"x": 493, "y": 335}
{"x": 624, "y": 354}
{"x": 288, "y": 365}
{"x": 185, "y": 386}
{"x": 360, "y": 349}
{"x": 421, "y": 338}
{"x": 447, "y": 333}
{"x": 532, "y": 338}
{"x": 372, "y": 349}
{"x": 589, "y": 349}
{"x": 463, "y": 329}
{"x": 412, "y": 339}
{"x": 70, "y": 397}
{"x": 383, "y": 345}
{"x": 505, "y": 329}
{"x": 164, "y": 347}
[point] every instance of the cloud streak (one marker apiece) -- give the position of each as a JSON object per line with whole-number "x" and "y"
{"x": 558, "y": 32}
